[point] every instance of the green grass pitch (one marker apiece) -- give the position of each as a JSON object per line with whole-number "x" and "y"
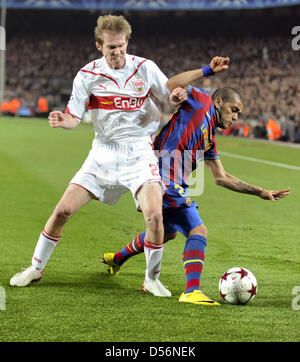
{"x": 76, "y": 300}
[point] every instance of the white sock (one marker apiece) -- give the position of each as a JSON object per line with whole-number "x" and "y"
{"x": 43, "y": 250}
{"x": 153, "y": 253}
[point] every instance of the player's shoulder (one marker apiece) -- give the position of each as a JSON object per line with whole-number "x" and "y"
{"x": 199, "y": 94}
{"x": 93, "y": 67}
{"x": 137, "y": 61}
{"x": 89, "y": 72}
{"x": 197, "y": 90}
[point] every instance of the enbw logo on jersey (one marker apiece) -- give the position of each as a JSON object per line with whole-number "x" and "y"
{"x": 116, "y": 102}
{"x": 128, "y": 103}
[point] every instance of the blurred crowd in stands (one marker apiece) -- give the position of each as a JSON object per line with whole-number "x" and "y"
{"x": 40, "y": 70}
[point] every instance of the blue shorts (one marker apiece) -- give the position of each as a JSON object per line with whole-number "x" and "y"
{"x": 183, "y": 219}
{"x": 176, "y": 196}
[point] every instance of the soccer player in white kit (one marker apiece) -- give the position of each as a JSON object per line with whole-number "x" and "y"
{"x": 116, "y": 90}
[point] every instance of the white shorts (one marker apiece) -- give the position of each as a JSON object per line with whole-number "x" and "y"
{"x": 110, "y": 170}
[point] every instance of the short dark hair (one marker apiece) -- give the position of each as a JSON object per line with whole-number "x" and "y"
{"x": 227, "y": 94}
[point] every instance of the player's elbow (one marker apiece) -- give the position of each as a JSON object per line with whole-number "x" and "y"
{"x": 220, "y": 177}
{"x": 219, "y": 180}
{"x": 171, "y": 85}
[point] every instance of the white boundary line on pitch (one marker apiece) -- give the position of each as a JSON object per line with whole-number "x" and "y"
{"x": 253, "y": 159}
{"x": 275, "y": 143}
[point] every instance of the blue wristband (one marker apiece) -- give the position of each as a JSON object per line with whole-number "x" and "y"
{"x": 207, "y": 71}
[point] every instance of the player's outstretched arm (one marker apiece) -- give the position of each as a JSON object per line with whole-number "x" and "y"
{"x": 224, "y": 179}
{"x": 59, "y": 119}
{"x": 217, "y": 64}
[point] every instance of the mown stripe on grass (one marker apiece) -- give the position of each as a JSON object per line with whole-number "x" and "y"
{"x": 258, "y": 160}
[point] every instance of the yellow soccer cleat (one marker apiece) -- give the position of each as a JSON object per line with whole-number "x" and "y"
{"x": 197, "y": 297}
{"x": 108, "y": 258}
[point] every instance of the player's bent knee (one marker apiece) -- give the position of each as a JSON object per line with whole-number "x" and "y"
{"x": 154, "y": 222}
{"x": 154, "y": 219}
{"x": 62, "y": 213}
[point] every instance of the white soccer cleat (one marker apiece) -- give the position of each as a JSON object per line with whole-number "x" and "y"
{"x": 25, "y": 277}
{"x": 156, "y": 288}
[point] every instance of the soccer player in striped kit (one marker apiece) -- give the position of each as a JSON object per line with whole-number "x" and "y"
{"x": 192, "y": 128}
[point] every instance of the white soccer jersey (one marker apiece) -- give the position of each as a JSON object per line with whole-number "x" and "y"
{"x": 119, "y": 101}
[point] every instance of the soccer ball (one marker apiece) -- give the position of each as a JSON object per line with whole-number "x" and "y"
{"x": 238, "y": 286}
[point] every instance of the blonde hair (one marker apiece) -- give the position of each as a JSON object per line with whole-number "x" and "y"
{"x": 114, "y": 23}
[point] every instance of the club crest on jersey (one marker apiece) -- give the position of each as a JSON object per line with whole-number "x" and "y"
{"x": 138, "y": 85}
{"x": 188, "y": 201}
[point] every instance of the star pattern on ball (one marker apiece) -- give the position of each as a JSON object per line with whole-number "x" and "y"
{"x": 225, "y": 275}
{"x": 243, "y": 273}
{"x": 252, "y": 291}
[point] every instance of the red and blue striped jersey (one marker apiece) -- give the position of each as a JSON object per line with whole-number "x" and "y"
{"x": 187, "y": 138}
